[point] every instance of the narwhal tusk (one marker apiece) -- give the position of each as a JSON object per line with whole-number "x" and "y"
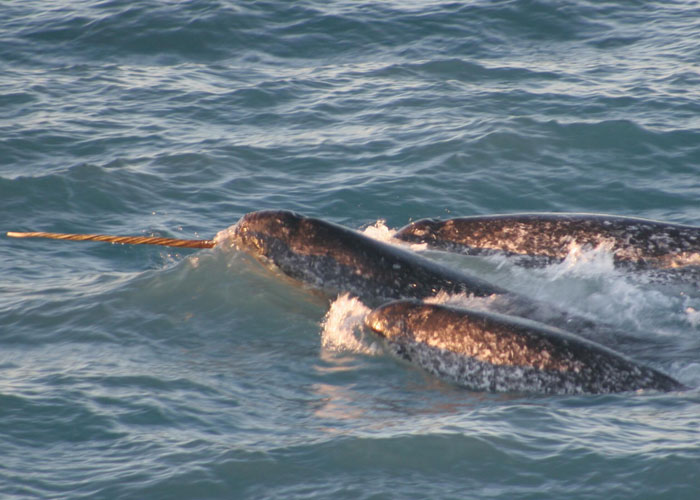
{"x": 126, "y": 240}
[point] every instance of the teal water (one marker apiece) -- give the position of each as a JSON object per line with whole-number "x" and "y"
{"x": 135, "y": 372}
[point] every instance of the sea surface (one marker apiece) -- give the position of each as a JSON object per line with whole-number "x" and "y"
{"x": 134, "y": 372}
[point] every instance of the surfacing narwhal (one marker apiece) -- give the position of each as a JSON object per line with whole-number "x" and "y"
{"x": 634, "y": 242}
{"x": 335, "y": 259}
{"x": 493, "y": 352}
{"x": 324, "y": 256}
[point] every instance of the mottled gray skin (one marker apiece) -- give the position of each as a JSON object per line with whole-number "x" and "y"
{"x": 634, "y": 242}
{"x": 498, "y": 353}
{"x": 336, "y": 259}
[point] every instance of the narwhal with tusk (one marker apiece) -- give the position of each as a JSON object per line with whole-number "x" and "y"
{"x": 322, "y": 255}
{"x": 335, "y": 259}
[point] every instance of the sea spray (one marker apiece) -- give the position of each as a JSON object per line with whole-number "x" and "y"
{"x": 342, "y": 328}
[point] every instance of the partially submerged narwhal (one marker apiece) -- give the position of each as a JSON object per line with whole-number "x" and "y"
{"x": 336, "y": 259}
{"x": 486, "y": 351}
{"x": 633, "y": 242}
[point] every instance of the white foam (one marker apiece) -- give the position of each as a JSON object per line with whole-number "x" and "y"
{"x": 415, "y": 247}
{"x": 584, "y": 261}
{"x": 692, "y": 315}
{"x": 224, "y": 238}
{"x": 588, "y": 283}
{"x": 461, "y": 300}
{"x": 380, "y": 231}
{"x": 342, "y": 327}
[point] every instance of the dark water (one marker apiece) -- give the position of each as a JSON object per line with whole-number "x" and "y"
{"x": 131, "y": 372}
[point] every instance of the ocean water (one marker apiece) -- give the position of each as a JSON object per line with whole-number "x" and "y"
{"x": 146, "y": 372}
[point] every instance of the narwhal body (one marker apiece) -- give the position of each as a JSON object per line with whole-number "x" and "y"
{"x": 633, "y": 242}
{"x": 498, "y": 353}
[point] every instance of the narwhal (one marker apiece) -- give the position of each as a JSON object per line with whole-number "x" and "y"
{"x": 335, "y": 259}
{"x": 485, "y": 351}
{"x": 549, "y": 237}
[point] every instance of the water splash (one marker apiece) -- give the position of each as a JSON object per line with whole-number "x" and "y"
{"x": 380, "y": 231}
{"x": 584, "y": 261}
{"x": 462, "y": 300}
{"x": 588, "y": 283}
{"x": 692, "y": 315}
{"x": 224, "y": 238}
{"x": 343, "y": 327}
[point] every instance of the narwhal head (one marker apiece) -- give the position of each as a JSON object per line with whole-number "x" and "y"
{"x": 272, "y": 234}
{"x": 267, "y": 231}
{"x": 420, "y": 231}
{"x": 390, "y": 320}
{"x": 313, "y": 251}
